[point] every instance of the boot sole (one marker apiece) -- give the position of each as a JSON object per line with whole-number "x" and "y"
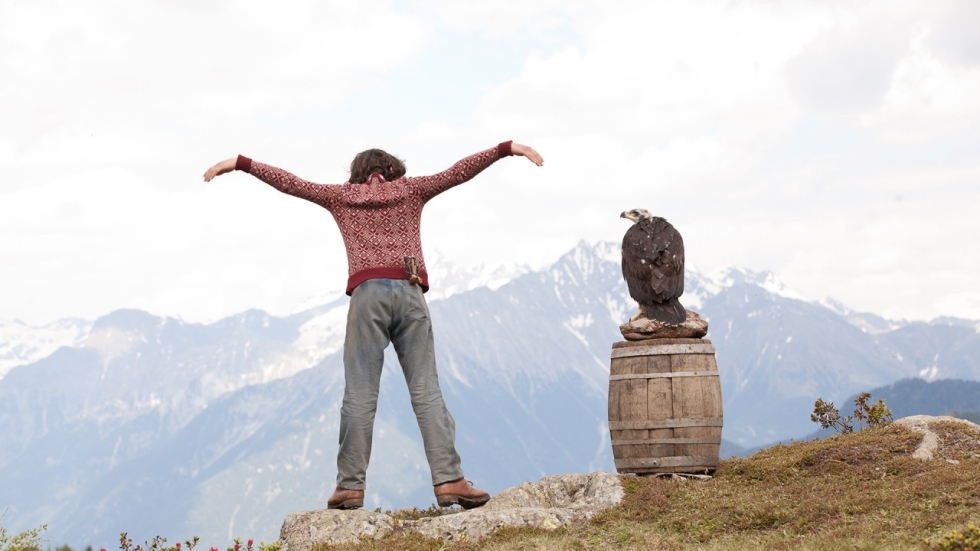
{"x": 448, "y": 500}
{"x": 347, "y": 504}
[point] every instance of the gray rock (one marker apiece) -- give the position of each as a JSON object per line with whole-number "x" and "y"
{"x": 588, "y": 493}
{"x": 548, "y": 504}
{"x": 302, "y": 530}
{"x": 552, "y": 502}
{"x": 472, "y": 525}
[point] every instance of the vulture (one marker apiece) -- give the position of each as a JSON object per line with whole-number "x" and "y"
{"x": 653, "y": 267}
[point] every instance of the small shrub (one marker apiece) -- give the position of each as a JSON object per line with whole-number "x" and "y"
{"x": 958, "y": 541}
{"x": 29, "y": 539}
{"x": 875, "y": 415}
{"x": 274, "y": 546}
{"x": 828, "y": 416}
{"x": 156, "y": 544}
{"x": 160, "y": 544}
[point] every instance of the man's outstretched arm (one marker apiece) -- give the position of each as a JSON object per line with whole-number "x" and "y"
{"x": 466, "y": 169}
{"x": 286, "y": 182}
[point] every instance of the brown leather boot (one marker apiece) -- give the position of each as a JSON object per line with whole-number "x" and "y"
{"x": 460, "y": 492}
{"x": 343, "y": 498}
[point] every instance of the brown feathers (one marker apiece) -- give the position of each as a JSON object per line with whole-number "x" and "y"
{"x": 653, "y": 266}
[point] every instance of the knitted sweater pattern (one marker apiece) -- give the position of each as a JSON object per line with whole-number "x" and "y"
{"x": 380, "y": 221}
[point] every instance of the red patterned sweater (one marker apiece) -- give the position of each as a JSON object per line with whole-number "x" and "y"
{"x": 380, "y": 221}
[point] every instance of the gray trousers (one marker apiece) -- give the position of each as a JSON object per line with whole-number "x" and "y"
{"x": 383, "y": 311}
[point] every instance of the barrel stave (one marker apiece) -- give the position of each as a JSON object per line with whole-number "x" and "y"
{"x": 660, "y": 406}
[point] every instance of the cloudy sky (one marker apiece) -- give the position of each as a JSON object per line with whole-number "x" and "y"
{"x": 834, "y": 143}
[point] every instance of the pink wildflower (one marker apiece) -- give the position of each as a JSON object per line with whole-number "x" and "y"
{"x": 250, "y": 543}
{"x": 177, "y": 545}
{"x": 214, "y": 549}
{"x": 236, "y": 546}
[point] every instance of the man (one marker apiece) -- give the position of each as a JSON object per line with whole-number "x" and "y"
{"x": 379, "y": 212}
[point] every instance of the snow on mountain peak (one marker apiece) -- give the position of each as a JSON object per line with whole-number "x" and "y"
{"x": 835, "y": 306}
{"x": 728, "y": 277}
{"x": 318, "y": 300}
{"x": 872, "y": 324}
{"x": 585, "y": 256}
{"x": 21, "y": 344}
{"x": 773, "y": 284}
{"x": 608, "y": 251}
{"x": 700, "y": 286}
{"x": 318, "y": 338}
{"x": 447, "y": 278}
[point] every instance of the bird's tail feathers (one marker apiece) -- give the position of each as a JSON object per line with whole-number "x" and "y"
{"x": 671, "y": 312}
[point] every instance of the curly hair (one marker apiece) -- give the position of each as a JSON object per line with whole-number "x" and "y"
{"x": 368, "y": 162}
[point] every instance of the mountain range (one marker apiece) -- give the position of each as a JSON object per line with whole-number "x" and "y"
{"x": 151, "y": 425}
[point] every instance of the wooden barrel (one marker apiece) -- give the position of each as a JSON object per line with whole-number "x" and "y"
{"x": 665, "y": 412}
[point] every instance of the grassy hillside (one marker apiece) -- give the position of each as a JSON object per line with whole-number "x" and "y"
{"x": 858, "y": 491}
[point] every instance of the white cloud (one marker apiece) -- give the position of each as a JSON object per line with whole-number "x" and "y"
{"x": 848, "y": 68}
{"x": 833, "y": 143}
{"x": 930, "y": 98}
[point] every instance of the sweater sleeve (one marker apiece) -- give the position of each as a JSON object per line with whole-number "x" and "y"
{"x": 463, "y": 171}
{"x": 325, "y": 195}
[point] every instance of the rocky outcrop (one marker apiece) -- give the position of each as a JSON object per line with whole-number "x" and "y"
{"x": 930, "y": 440}
{"x": 552, "y": 502}
{"x": 301, "y": 531}
{"x": 642, "y": 329}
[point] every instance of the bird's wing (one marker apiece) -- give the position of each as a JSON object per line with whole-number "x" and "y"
{"x": 673, "y": 265}
{"x": 653, "y": 261}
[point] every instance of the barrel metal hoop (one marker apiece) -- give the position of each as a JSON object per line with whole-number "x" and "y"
{"x": 654, "y": 462}
{"x": 667, "y": 441}
{"x": 666, "y": 423}
{"x": 662, "y": 350}
{"x": 663, "y": 375}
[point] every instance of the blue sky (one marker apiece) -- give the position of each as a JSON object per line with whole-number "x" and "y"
{"x": 834, "y": 143}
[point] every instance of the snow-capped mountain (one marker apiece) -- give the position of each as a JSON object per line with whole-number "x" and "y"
{"x": 447, "y": 278}
{"x": 155, "y": 426}
{"x": 22, "y": 344}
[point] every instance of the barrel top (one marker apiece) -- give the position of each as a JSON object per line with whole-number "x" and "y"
{"x": 653, "y": 342}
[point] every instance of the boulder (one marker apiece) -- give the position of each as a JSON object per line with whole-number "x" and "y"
{"x": 302, "y": 530}
{"x": 552, "y": 502}
{"x": 642, "y": 329}
{"x": 930, "y": 441}
{"x": 472, "y": 525}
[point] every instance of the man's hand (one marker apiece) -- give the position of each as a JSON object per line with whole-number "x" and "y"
{"x": 525, "y": 151}
{"x": 221, "y": 168}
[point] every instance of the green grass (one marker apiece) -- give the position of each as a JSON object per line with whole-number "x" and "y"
{"x": 856, "y": 491}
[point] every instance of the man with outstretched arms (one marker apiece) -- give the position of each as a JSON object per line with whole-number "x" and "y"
{"x": 379, "y": 212}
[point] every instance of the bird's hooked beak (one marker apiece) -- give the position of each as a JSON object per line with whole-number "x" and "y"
{"x": 629, "y": 215}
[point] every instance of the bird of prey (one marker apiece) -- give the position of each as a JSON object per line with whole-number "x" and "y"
{"x": 653, "y": 266}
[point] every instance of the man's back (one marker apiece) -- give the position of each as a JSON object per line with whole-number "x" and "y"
{"x": 380, "y": 221}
